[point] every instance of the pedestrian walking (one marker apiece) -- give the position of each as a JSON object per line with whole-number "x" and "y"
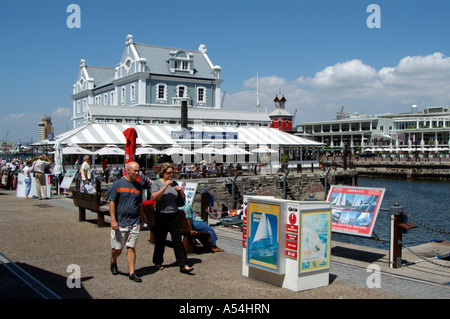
{"x": 126, "y": 211}
{"x": 168, "y": 196}
{"x": 40, "y": 167}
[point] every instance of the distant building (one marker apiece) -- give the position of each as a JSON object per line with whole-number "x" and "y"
{"x": 147, "y": 91}
{"x": 148, "y": 85}
{"x": 280, "y": 118}
{"x": 427, "y": 130}
{"x": 45, "y": 129}
{"x": 6, "y": 146}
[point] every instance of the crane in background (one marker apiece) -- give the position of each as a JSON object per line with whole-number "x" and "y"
{"x": 340, "y": 114}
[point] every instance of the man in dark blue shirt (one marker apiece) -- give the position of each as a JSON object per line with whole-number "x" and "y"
{"x": 126, "y": 210}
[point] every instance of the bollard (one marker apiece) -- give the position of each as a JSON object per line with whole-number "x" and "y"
{"x": 98, "y": 187}
{"x": 311, "y": 198}
{"x": 250, "y": 192}
{"x": 284, "y": 184}
{"x": 204, "y": 203}
{"x": 399, "y": 226}
{"x": 395, "y": 248}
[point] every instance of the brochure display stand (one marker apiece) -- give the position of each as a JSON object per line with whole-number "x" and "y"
{"x": 287, "y": 243}
{"x": 20, "y": 189}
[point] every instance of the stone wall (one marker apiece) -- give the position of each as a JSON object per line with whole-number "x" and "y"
{"x": 300, "y": 186}
{"x": 404, "y": 170}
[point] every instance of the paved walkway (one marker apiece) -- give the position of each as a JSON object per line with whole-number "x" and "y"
{"x": 46, "y": 240}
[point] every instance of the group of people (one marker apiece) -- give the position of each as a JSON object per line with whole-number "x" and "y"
{"x": 38, "y": 169}
{"x": 127, "y": 212}
{"x": 206, "y": 170}
{"x": 9, "y": 168}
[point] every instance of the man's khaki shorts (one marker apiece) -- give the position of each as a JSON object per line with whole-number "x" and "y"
{"x": 126, "y": 235}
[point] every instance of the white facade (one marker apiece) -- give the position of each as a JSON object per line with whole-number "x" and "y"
{"x": 427, "y": 129}
{"x": 149, "y": 84}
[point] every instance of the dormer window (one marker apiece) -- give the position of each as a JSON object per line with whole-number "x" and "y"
{"x": 181, "y": 65}
{"x": 181, "y": 61}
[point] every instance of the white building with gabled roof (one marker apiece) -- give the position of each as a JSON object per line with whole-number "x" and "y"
{"x": 148, "y": 85}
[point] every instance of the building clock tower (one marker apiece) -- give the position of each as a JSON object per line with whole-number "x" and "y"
{"x": 280, "y": 118}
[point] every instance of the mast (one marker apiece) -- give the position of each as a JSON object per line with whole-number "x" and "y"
{"x": 257, "y": 92}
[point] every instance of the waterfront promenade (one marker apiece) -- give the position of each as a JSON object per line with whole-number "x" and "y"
{"x": 45, "y": 237}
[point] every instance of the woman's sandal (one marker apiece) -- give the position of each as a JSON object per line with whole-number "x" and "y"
{"x": 186, "y": 270}
{"x": 159, "y": 267}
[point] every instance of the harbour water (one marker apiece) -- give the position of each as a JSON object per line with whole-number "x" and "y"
{"x": 427, "y": 201}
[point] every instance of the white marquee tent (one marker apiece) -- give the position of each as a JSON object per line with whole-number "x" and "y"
{"x": 97, "y": 135}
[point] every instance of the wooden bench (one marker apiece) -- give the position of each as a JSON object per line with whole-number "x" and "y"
{"x": 92, "y": 202}
{"x": 149, "y": 219}
{"x": 188, "y": 238}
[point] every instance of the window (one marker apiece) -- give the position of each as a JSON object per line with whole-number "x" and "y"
{"x": 105, "y": 99}
{"x": 181, "y": 60}
{"x": 78, "y": 107}
{"x": 161, "y": 92}
{"x": 181, "y": 65}
{"x": 133, "y": 92}
{"x": 181, "y": 91}
{"x": 123, "y": 95}
{"x": 201, "y": 95}
{"x": 111, "y": 100}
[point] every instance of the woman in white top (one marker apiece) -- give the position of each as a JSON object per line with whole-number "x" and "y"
{"x": 27, "y": 172}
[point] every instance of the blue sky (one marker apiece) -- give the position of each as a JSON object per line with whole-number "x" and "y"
{"x": 320, "y": 54}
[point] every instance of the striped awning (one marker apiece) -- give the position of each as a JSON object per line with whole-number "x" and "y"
{"x": 96, "y": 134}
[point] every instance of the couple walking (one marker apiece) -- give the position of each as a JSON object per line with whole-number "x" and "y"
{"x": 126, "y": 210}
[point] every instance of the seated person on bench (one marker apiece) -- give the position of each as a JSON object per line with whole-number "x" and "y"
{"x": 197, "y": 223}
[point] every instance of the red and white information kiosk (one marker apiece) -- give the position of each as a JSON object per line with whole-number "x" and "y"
{"x": 287, "y": 243}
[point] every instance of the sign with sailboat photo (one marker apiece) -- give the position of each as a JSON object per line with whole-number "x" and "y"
{"x": 263, "y": 239}
{"x": 354, "y": 210}
{"x": 315, "y": 240}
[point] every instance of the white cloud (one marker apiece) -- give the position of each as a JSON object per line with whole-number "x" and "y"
{"x": 342, "y": 75}
{"x": 62, "y": 112}
{"x": 24, "y": 126}
{"x": 421, "y": 80}
{"x": 19, "y": 126}
{"x": 15, "y": 117}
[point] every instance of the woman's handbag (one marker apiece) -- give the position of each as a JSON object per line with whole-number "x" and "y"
{"x": 180, "y": 201}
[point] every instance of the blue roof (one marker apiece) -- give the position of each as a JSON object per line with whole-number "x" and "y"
{"x": 101, "y": 75}
{"x": 157, "y": 60}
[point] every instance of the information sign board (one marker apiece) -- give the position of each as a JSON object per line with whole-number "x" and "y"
{"x": 263, "y": 238}
{"x": 315, "y": 240}
{"x": 354, "y": 210}
{"x": 189, "y": 190}
{"x": 68, "y": 178}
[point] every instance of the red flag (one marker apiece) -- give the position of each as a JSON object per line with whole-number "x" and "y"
{"x": 130, "y": 146}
